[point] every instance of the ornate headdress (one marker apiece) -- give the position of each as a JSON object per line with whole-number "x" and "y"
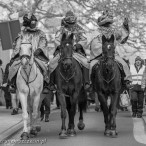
{"x": 70, "y": 19}
{"x": 106, "y": 18}
{"x": 27, "y": 20}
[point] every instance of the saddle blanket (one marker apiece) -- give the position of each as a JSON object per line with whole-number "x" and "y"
{"x": 13, "y": 69}
{"x": 17, "y": 63}
{"x": 80, "y": 58}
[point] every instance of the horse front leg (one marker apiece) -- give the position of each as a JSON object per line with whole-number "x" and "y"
{"x": 62, "y": 102}
{"x": 23, "y": 100}
{"x": 104, "y": 108}
{"x": 113, "y": 113}
{"x": 73, "y": 101}
{"x": 36, "y": 127}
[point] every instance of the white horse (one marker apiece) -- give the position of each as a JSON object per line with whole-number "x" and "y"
{"x": 29, "y": 87}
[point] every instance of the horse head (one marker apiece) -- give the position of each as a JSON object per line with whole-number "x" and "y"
{"x": 66, "y": 51}
{"x": 108, "y": 51}
{"x": 108, "y": 47}
{"x": 25, "y": 52}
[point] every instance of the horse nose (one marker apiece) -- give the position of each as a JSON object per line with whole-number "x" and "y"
{"x": 67, "y": 64}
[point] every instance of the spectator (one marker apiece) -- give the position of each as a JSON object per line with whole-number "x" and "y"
{"x": 13, "y": 97}
{"x": 5, "y": 88}
{"x": 1, "y": 81}
{"x": 137, "y": 92}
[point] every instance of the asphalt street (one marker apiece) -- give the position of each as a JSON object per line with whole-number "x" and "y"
{"x": 93, "y": 135}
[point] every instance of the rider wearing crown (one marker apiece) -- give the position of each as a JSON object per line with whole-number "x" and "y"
{"x": 121, "y": 35}
{"x": 39, "y": 43}
{"x": 69, "y": 25}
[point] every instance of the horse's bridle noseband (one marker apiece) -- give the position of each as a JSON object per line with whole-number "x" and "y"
{"x": 59, "y": 61}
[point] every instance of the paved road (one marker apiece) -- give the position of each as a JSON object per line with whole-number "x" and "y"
{"x": 131, "y": 132}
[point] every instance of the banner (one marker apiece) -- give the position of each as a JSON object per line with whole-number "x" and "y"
{"x": 8, "y": 32}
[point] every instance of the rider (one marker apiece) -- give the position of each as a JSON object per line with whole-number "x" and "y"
{"x": 69, "y": 25}
{"x": 39, "y": 44}
{"x": 121, "y": 35}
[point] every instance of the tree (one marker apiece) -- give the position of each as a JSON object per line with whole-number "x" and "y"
{"x": 88, "y": 12}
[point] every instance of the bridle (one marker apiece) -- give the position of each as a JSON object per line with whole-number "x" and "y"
{"x": 63, "y": 58}
{"x": 60, "y": 61}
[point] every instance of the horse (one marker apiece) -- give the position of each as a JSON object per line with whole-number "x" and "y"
{"x": 70, "y": 89}
{"x": 106, "y": 79}
{"x": 29, "y": 84}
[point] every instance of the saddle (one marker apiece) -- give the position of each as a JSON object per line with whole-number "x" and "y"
{"x": 40, "y": 55}
{"x": 79, "y": 49}
{"x": 121, "y": 69}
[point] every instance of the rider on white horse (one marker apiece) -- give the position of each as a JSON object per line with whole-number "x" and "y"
{"x": 69, "y": 25}
{"x": 39, "y": 43}
{"x": 121, "y": 35}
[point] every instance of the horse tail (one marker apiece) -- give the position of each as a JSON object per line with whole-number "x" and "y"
{"x": 82, "y": 100}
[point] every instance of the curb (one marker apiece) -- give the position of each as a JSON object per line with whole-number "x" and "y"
{"x": 8, "y": 133}
{"x": 11, "y": 131}
{"x": 144, "y": 121}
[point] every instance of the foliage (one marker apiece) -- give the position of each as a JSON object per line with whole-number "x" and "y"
{"x": 87, "y": 12}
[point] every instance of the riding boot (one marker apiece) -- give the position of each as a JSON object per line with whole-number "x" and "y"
{"x": 12, "y": 84}
{"x": 86, "y": 78}
{"x": 52, "y": 81}
{"x": 92, "y": 77}
{"x": 122, "y": 76}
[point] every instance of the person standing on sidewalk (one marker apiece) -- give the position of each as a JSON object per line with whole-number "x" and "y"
{"x": 2, "y": 101}
{"x": 5, "y": 86}
{"x": 137, "y": 92}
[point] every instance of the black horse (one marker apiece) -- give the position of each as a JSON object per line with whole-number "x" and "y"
{"x": 69, "y": 87}
{"x": 106, "y": 79}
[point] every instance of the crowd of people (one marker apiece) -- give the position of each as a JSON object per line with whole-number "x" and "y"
{"x": 133, "y": 76}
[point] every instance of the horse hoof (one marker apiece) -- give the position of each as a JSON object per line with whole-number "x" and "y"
{"x": 38, "y": 128}
{"x": 107, "y": 132}
{"x": 81, "y": 125}
{"x": 72, "y": 133}
{"x": 63, "y": 135}
{"x": 33, "y": 133}
{"x": 113, "y": 134}
{"x": 24, "y": 136}
{"x": 68, "y": 131}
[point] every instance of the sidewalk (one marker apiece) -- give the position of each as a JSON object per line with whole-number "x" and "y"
{"x": 11, "y": 124}
{"x": 144, "y": 117}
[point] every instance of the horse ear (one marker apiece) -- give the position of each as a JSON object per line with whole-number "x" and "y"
{"x": 112, "y": 38}
{"x": 104, "y": 39}
{"x": 63, "y": 37}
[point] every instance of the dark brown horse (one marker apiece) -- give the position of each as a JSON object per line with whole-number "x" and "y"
{"x": 69, "y": 87}
{"x": 106, "y": 80}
